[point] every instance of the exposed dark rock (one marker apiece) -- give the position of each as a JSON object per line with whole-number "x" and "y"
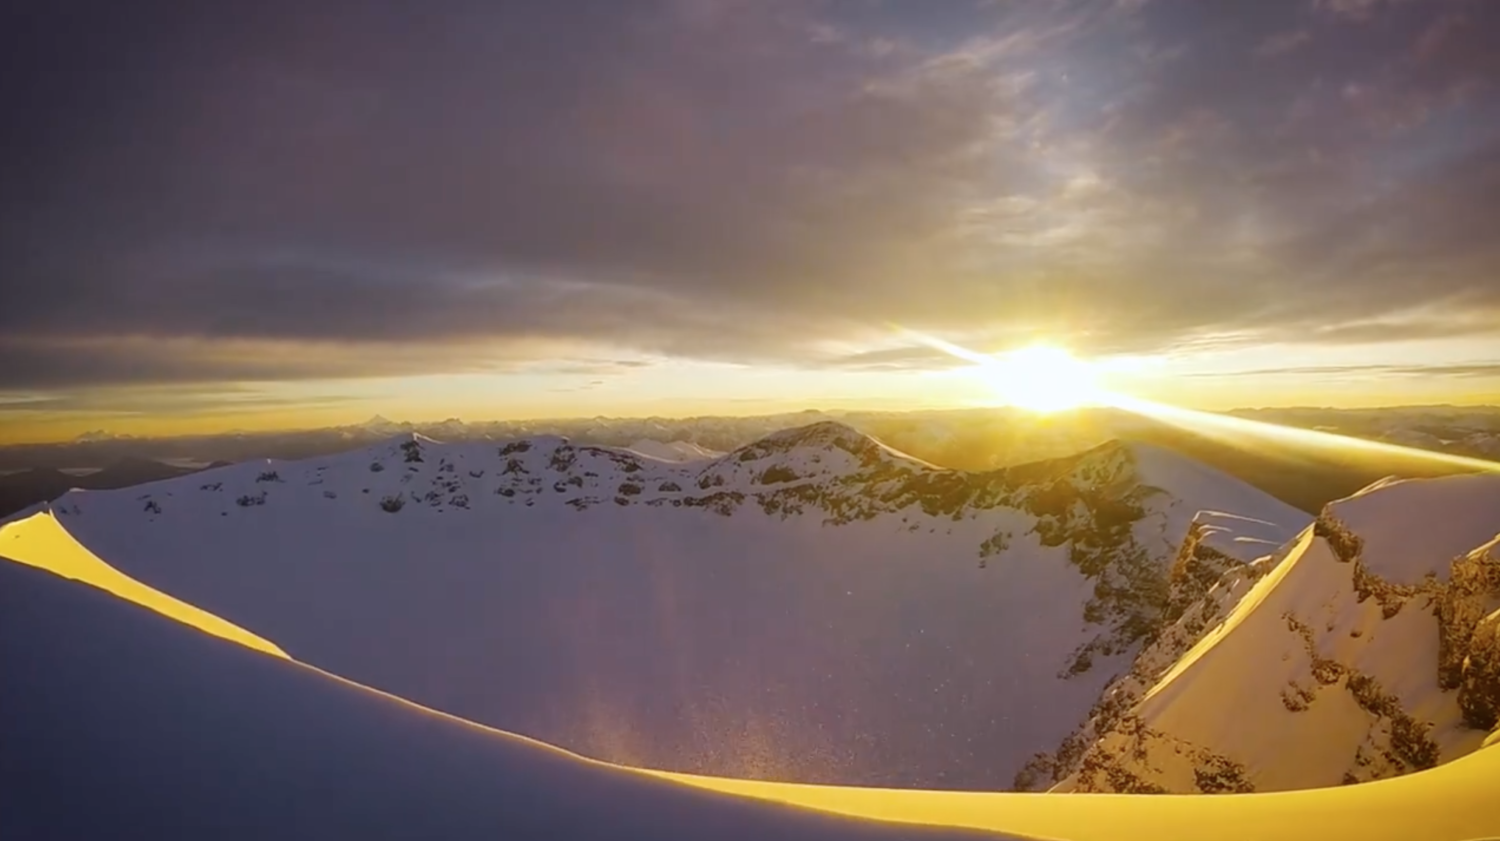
{"x": 777, "y": 474}
{"x": 1479, "y": 682}
{"x": 1221, "y": 775}
{"x": 412, "y": 450}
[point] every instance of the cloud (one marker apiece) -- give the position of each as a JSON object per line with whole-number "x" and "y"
{"x": 1282, "y": 43}
{"x": 267, "y": 193}
{"x": 62, "y": 364}
{"x": 1468, "y": 370}
{"x": 1357, "y": 10}
{"x": 914, "y": 358}
{"x": 176, "y": 400}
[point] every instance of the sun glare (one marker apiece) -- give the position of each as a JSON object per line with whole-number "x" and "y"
{"x": 1041, "y": 378}
{"x": 1045, "y": 378}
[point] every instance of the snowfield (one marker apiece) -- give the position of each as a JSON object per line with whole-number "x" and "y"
{"x": 813, "y": 607}
{"x": 134, "y": 721}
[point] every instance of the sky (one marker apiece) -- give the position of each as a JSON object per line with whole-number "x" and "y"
{"x": 281, "y": 214}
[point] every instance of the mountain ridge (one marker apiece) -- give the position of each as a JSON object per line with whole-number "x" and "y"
{"x": 773, "y": 591}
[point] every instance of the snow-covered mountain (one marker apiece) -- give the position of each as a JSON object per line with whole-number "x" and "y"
{"x": 1364, "y": 648}
{"x": 128, "y": 714}
{"x": 814, "y": 606}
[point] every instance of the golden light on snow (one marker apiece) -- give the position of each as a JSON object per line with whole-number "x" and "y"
{"x": 1383, "y": 809}
{"x": 41, "y": 541}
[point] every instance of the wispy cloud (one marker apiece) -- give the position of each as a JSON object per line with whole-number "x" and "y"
{"x": 1466, "y": 370}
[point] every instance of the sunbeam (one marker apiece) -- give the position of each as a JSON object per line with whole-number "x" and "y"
{"x": 1189, "y": 419}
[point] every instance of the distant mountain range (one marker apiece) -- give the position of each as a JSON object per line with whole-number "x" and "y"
{"x": 1301, "y": 474}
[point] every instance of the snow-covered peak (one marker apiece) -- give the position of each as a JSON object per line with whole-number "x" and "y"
{"x": 1411, "y": 528}
{"x": 95, "y": 436}
{"x": 380, "y": 425}
{"x": 820, "y": 433}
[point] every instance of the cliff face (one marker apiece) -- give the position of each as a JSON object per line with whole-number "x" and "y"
{"x": 1204, "y": 585}
{"x": 1360, "y": 650}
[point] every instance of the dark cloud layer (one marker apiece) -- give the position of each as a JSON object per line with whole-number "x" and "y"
{"x": 732, "y": 180}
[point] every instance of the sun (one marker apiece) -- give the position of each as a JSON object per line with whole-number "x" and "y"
{"x": 1041, "y": 378}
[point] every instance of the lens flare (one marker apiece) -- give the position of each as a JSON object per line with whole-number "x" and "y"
{"x": 1047, "y": 379}
{"x": 1041, "y": 378}
{"x": 1209, "y": 422}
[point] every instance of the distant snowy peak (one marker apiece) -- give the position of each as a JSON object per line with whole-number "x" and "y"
{"x": 95, "y": 436}
{"x": 380, "y": 425}
{"x": 1365, "y": 647}
{"x": 672, "y": 451}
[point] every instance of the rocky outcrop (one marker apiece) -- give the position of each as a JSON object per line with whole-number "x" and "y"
{"x": 1118, "y": 748}
{"x": 1479, "y": 678}
{"x": 1112, "y": 712}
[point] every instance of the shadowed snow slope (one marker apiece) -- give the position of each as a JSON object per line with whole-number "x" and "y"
{"x": 813, "y": 607}
{"x": 120, "y": 723}
{"x": 1365, "y": 648}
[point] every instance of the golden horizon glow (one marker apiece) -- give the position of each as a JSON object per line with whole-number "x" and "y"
{"x": 1042, "y": 378}
{"x": 643, "y": 387}
{"x": 1228, "y": 426}
{"x": 1032, "y": 368}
